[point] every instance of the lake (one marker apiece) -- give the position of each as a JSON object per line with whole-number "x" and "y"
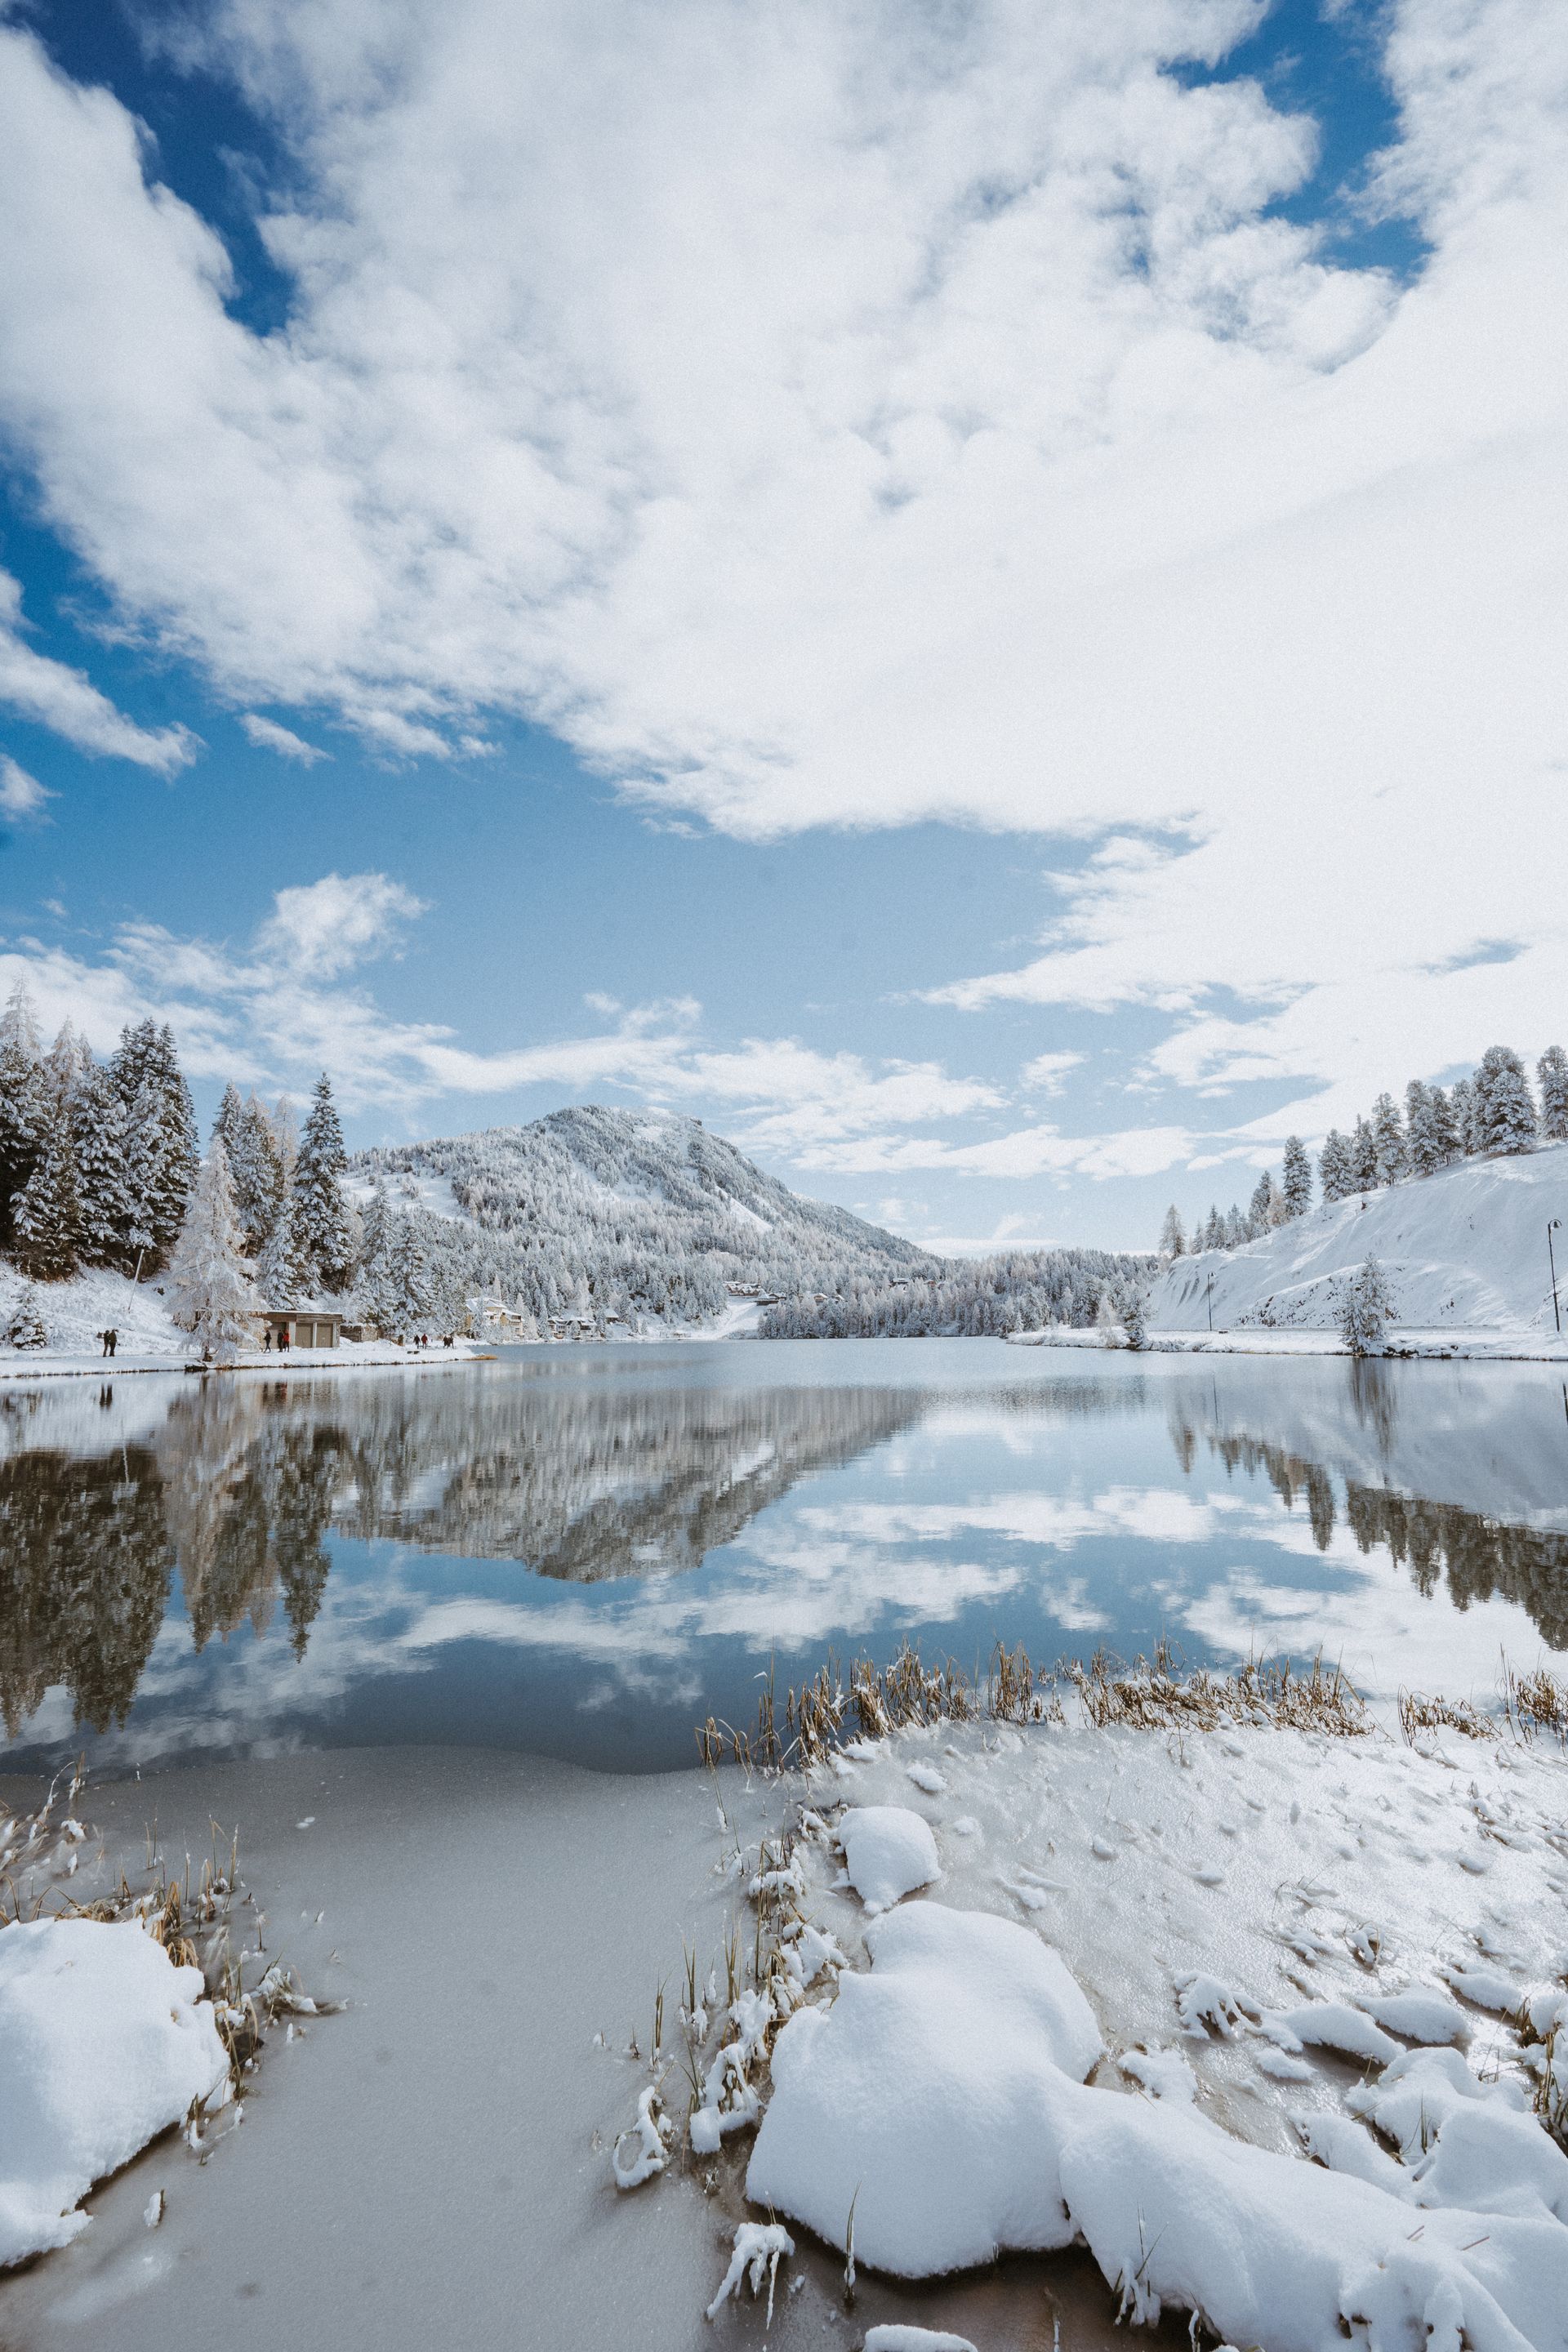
{"x": 584, "y": 1551}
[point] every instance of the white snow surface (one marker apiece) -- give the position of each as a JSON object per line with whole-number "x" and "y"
{"x": 1463, "y": 1251}
{"x": 951, "y": 2088}
{"x": 103, "y": 2043}
{"x": 888, "y": 1853}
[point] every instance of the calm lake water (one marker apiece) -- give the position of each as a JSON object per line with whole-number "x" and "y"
{"x": 583, "y": 1551}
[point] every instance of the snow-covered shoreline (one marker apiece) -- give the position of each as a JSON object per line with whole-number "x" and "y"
{"x": 1437, "y": 1345}
{"x": 1233, "y": 1904}
{"x": 44, "y": 1364}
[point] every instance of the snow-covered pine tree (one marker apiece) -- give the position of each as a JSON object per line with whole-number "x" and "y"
{"x": 65, "y": 1065}
{"x": 1260, "y": 1207}
{"x": 1505, "y": 1108}
{"x": 1445, "y": 1127}
{"x": 1363, "y": 1157}
{"x": 46, "y": 1215}
{"x": 1334, "y": 1176}
{"x": 25, "y": 1326}
{"x": 1462, "y": 1101}
{"x": 408, "y": 1294}
{"x": 21, "y": 1119}
{"x": 146, "y": 1069}
{"x": 1235, "y": 1227}
{"x": 1172, "y": 1234}
{"x": 1552, "y": 1078}
{"x": 1298, "y": 1184}
{"x": 284, "y": 1271}
{"x": 371, "y": 1296}
{"x": 285, "y": 1135}
{"x": 1366, "y": 1310}
{"x": 1389, "y": 1137}
{"x": 212, "y": 1295}
{"x": 1136, "y": 1328}
{"x": 99, "y": 1121}
{"x": 225, "y": 1126}
{"x": 1213, "y": 1229}
{"x": 323, "y": 1231}
{"x": 1426, "y": 1158}
{"x": 19, "y": 1022}
{"x": 256, "y": 1172}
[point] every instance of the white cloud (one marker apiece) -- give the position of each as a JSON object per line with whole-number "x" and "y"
{"x": 854, "y": 427}
{"x": 1046, "y": 1074}
{"x": 22, "y": 797}
{"x": 327, "y": 926}
{"x": 1027, "y": 1151}
{"x": 268, "y": 736}
{"x": 67, "y": 702}
{"x": 279, "y": 1009}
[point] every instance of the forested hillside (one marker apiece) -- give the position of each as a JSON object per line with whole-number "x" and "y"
{"x": 1017, "y": 1290}
{"x": 603, "y": 1217}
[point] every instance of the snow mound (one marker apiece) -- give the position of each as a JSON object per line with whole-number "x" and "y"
{"x": 103, "y": 2043}
{"x": 898, "y": 2335}
{"x": 888, "y": 1853}
{"x": 928, "y": 2096}
{"x": 1420, "y": 2014}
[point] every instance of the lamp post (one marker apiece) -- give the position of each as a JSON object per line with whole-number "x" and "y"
{"x": 1209, "y": 1300}
{"x": 1553, "y": 1224}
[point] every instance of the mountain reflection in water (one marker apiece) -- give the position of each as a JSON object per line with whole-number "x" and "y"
{"x": 714, "y": 1506}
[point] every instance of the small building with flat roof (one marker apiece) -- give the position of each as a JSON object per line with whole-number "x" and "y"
{"x": 303, "y": 1326}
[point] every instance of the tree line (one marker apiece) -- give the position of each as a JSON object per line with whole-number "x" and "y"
{"x": 1494, "y": 1110}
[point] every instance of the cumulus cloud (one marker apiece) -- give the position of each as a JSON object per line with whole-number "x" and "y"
{"x": 868, "y": 423}
{"x": 268, "y": 736}
{"x": 67, "y": 702}
{"x": 22, "y": 798}
{"x": 292, "y": 1000}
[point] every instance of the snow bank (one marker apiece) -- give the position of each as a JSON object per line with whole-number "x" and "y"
{"x": 103, "y": 2042}
{"x": 1464, "y": 1250}
{"x": 888, "y": 1853}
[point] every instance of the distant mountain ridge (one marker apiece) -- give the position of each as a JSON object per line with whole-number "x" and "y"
{"x": 620, "y": 1217}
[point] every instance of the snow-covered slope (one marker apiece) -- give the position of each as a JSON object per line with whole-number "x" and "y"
{"x": 633, "y": 1214}
{"x": 1465, "y": 1250}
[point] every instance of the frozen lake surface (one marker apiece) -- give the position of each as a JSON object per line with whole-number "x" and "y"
{"x": 580, "y": 1552}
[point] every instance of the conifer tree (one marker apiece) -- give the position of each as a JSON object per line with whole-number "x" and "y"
{"x": 1505, "y": 1109}
{"x": 1462, "y": 1098}
{"x": 257, "y": 1169}
{"x": 1334, "y": 1176}
{"x": 1444, "y": 1126}
{"x": 21, "y": 1119}
{"x": 285, "y": 1135}
{"x": 408, "y": 1287}
{"x": 97, "y": 1118}
{"x": 1389, "y": 1141}
{"x": 212, "y": 1295}
{"x": 1363, "y": 1157}
{"x": 1213, "y": 1229}
{"x": 19, "y": 1022}
{"x": 286, "y": 1275}
{"x": 161, "y": 1137}
{"x": 323, "y": 1232}
{"x": 225, "y": 1126}
{"x": 1172, "y": 1236}
{"x": 1260, "y": 1208}
{"x": 1366, "y": 1309}
{"x": 1425, "y": 1156}
{"x": 1552, "y": 1078}
{"x": 46, "y": 1216}
{"x": 1298, "y": 1184}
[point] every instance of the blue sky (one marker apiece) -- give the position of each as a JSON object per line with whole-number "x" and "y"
{"x": 975, "y": 608}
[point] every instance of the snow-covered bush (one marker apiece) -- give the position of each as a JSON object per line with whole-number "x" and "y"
{"x": 25, "y": 1326}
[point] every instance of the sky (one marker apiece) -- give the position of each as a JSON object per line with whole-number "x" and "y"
{"x": 972, "y": 595}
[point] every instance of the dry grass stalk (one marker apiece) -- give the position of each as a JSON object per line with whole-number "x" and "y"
{"x": 1264, "y": 1693}
{"x": 1536, "y": 1702}
{"x": 1418, "y": 1712}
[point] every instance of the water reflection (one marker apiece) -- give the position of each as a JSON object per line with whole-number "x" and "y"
{"x": 504, "y": 1551}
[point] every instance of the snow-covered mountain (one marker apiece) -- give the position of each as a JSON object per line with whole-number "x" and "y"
{"x": 1463, "y": 1250}
{"x": 615, "y": 1214}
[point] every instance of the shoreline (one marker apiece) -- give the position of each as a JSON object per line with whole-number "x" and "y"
{"x": 47, "y": 1367}
{"x": 1476, "y": 1344}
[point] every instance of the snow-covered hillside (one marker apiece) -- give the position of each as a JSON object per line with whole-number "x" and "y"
{"x": 619, "y": 1216}
{"x": 1465, "y": 1250}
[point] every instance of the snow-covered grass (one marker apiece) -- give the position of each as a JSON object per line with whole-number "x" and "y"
{"x": 1465, "y": 1253}
{"x": 1267, "y": 2017}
